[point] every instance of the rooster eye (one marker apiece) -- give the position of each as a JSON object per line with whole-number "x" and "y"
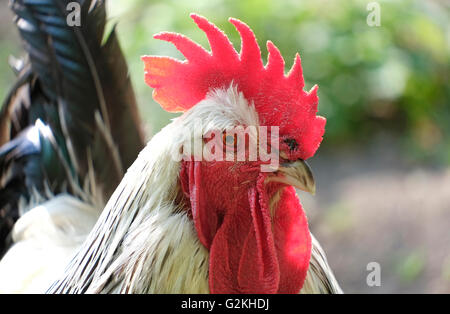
{"x": 292, "y": 143}
{"x": 230, "y": 140}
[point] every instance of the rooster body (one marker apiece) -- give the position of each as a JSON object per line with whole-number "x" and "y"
{"x": 145, "y": 241}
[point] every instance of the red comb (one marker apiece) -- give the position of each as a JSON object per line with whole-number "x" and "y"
{"x": 279, "y": 99}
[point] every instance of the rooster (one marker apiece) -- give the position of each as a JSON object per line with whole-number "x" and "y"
{"x": 192, "y": 225}
{"x": 69, "y": 129}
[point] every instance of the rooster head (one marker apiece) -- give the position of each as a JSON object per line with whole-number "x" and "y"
{"x": 250, "y": 220}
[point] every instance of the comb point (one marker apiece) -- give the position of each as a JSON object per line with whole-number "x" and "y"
{"x": 221, "y": 47}
{"x": 250, "y": 52}
{"x": 190, "y": 49}
{"x": 295, "y": 75}
{"x": 275, "y": 62}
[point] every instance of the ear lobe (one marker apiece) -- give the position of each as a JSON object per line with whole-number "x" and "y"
{"x": 205, "y": 220}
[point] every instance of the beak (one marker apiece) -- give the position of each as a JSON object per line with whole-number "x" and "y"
{"x": 297, "y": 174}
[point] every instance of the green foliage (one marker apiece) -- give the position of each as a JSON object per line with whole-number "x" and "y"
{"x": 411, "y": 266}
{"x": 393, "y": 77}
{"x": 389, "y": 78}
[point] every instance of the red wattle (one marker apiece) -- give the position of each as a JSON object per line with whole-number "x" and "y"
{"x": 242, "y": 256}
{"x": 293, "y": 242}
{"x": 250, "y": 251}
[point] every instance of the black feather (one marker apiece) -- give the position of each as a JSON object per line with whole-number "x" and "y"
{"x": 80, "y": 91}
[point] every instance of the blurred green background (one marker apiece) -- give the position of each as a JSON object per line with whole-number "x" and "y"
{"x": 382, "y": 170}
{"x": 393, "y": 77}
